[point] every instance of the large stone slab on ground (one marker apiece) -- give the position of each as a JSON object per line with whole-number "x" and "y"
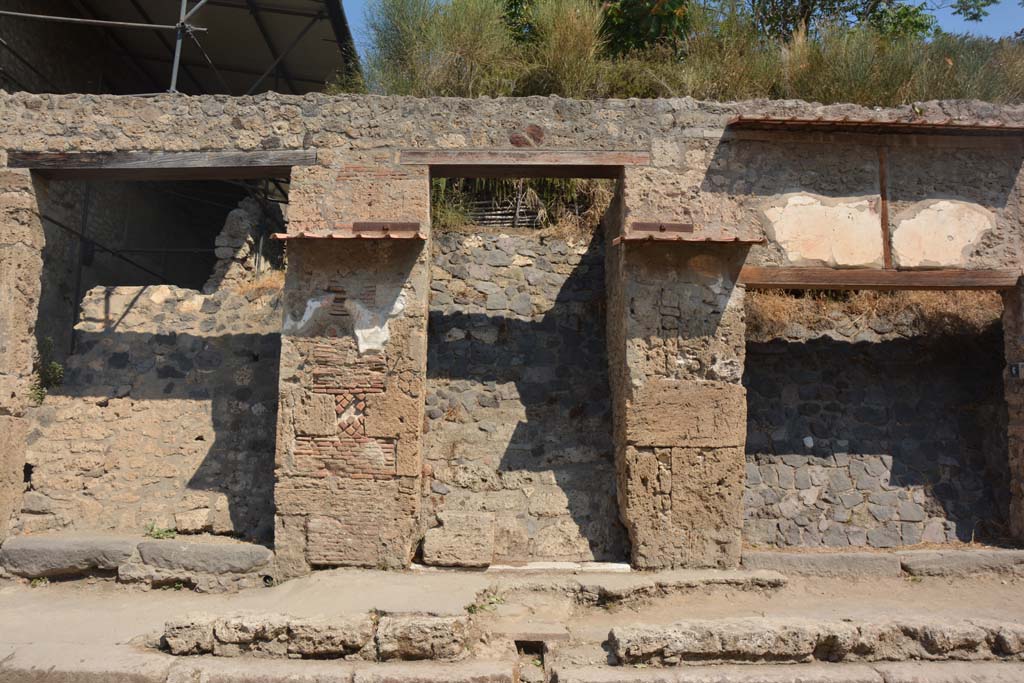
{"x": 825, "y": 564}
{"x": 464, "y": 539}
{"x": 960, "y": 562}
{"x": 205, "y": 558}
{"x": 63, "y": 555}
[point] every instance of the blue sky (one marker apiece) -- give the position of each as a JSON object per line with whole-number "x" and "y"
{"x": 1005, "y": 18}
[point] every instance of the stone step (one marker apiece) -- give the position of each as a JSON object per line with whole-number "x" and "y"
{"x": 754, "y": 640}
{"x": 898, "y": 672}
{"x": 205, "y": 563}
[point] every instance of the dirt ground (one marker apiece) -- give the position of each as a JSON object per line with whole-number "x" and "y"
{"x": 98, "y": 620}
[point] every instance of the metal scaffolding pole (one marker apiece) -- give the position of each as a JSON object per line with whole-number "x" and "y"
{"x": 95, "y": 22}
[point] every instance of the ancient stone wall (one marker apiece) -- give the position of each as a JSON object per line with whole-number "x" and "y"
{"x": 868, "y": 432}
{"x": 166, "y": 415}
{"x": 518, "y": 409}
{"x": 675, "y": 342}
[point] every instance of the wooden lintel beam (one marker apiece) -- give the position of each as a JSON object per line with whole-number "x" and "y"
{"x": 162, "y": 165}
{"x": 523, "y": 163}
{"x": 758, "y": 277}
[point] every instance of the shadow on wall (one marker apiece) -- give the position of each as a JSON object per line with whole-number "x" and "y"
{"x": 174, "y": 415}
{"x": 520, "y": 407}
{"x": 903, "y": 439}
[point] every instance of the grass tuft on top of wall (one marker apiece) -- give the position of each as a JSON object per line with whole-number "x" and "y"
{"x": 770, "y": 314}
{"x": 467, "y": 48}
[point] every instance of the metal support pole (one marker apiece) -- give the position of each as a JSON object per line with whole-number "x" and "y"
{"x": 86, "y": 201}
{"x": 93, "y": 22}
{"x": 284, "y": 54}
{"x": 180, "y": 37}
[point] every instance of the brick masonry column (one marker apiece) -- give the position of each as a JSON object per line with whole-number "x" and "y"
{"x": 353, "y": 367}
{"x": 21, "y": 265}
{"x": 676, "y": 350}
{"x": 1013, "y": 391}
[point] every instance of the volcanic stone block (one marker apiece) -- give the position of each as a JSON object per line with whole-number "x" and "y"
{"x": 207, "y": 558}
{"x": 61, "y": 555}
{"x": 412, "y": 637}
{"x": 666, "y": 412}
{"x": 462, "y": 540}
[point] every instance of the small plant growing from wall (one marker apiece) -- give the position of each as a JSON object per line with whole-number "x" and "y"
{"x": 154, "y": 531}
{"x": 47, "y": 373}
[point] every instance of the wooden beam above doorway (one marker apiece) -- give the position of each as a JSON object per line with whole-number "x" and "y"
{"x": 524, "y": 163}
{"x": 162, "y": 165}
{"x": 758, "y": 277}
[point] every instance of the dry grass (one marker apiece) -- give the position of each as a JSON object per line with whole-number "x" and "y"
{"x": 912, "y": 312}
{"x": 270, "y": 282}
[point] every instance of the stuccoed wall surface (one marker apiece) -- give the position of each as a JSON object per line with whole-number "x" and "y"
{"x": 518, "y": 425}
{"x": 857, "y": 437}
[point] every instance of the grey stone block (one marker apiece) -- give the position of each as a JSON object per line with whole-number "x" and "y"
{"x": 960, "y": 562}
{"x": 206, "y": 558}
{"x": 825, "y": 564}
{"x": 62, "y": 555}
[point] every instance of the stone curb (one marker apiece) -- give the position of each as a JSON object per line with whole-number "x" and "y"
{"x": 762, "y": 640}
{"x": 845, "y": 565}
{"x": 899, "y": 672}
{"x": 270, "y": 671}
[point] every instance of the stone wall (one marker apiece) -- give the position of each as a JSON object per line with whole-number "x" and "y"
{"x": 517, "y": 405}
{"x": 167, "y": 411}
{"x": 868, "y": 432}
{"x": 675, "y": 343}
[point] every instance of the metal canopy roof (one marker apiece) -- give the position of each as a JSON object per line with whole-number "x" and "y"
{"x": 234, "y": 47}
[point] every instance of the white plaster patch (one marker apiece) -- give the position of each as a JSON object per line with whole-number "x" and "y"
{"x": 371, "y": 325}
{"x": 939, "y": 233}
{"x": 843, "y": 232}
{"x": 292, "y": 324}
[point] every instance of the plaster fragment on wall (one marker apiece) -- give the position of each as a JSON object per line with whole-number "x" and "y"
{"x": 939, "y": 233}
{"x": 371, "y": 324}
{"x": 293, "y": 324}
{"x": 841, "y": 232}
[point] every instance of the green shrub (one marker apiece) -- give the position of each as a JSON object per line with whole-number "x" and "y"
{"x": 563, "y": 47}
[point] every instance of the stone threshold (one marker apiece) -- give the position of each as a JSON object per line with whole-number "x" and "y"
{"x": 536, "y": 568}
